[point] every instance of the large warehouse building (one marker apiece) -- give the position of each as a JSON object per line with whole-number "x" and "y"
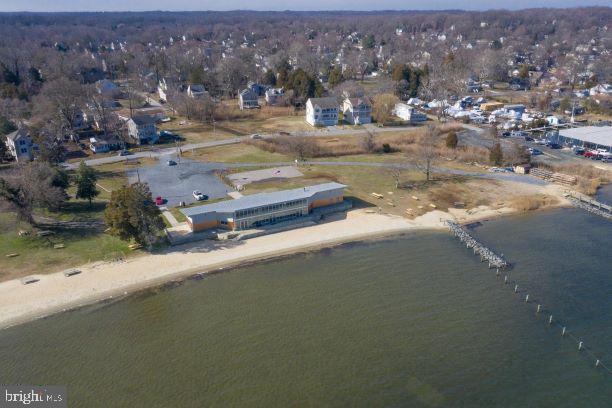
{"x": 593, "y": 137}
{"x": 255, "y": 210}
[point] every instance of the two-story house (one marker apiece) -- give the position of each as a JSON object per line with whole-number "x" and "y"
{"x": 322, "y": 111}
{"x": 407, "y": 112}
{"x": 247, "y": 99}
{"x": 196, "y": 91}
{"x": 141, "y": 130}
{"x": 357, "y": 111}
{"x": 20, "y": 145}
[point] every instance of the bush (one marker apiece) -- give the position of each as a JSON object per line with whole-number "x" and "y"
{"x": 496, "y": 156}
{"x": 386, "y": 147}
{"x": 452, "y": 140}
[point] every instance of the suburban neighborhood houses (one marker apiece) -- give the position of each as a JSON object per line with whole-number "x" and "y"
{"x": 242, "y": 130}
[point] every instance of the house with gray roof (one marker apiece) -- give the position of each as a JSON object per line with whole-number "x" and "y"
{"x": 247, "y": 99}
{"x": 20, "y": 144}
{"x": 322, "y": 111}
{"x": 357, "y": 111}
{"x": 256, "y": 210}
{"x": 142, "y": 130}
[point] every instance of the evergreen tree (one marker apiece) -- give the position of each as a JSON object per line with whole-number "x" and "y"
{"x": 132, "y": 214}
{"x": 85, "y": 180}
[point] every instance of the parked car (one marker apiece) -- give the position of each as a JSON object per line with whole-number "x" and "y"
{"x": 528, "y": 139}
{"x": 505, "y": 134}
{"x": 199, "y": 196}
{"x": 171, "y": 163}
{"x": 579, "y": 151}
{"x": 518, "y": 133}
{"x": 159, "y": 200}
{"x": 534, "y": 152}
{"x": 607, "y": 159}
{"x": 124, "y": 153}
{"x": 553, "y": 145}
{"x": 255, "y": 136}
{"x": 592, "y": 154}
{"x": 542, "y": 142}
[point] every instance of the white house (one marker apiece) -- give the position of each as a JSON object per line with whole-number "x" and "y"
{"x": 322, "y": 111}
{"x": 142, "y": 129}
{"x": 407, "y": 112}
{"x": 602, "y": 89}
{"x": 162, "y": 89}
{"x": 196, "y": 91}
{"x": 247, "y": 99}
{"x": 20, "y": 145}
{"x": 357, "y": 111}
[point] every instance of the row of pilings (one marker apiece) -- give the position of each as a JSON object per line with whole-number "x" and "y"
{"x": 486, "y": 254}
{"x": 592, "y": 208}
{"x": 499, "y": 263}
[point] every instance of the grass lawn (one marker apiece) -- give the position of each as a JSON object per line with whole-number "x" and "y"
{"x": 236, "y": 153}
{"x": 363, "y": 181}
{"x": 37, "y": 255}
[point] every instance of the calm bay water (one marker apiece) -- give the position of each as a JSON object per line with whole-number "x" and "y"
{"x": 414, "y": 321}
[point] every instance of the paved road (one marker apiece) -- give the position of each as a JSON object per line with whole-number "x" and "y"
{"x": 333, "y": 131}
{"x": 166, "y": 151}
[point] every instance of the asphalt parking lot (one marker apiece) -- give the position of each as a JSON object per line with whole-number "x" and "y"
{"x": 177, "y": 183}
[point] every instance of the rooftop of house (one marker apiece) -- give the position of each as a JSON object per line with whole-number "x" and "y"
{"x": 21, "y": 131}
{"x": 325, "y": 103}
{"x": 144, "y": 120}
{"x": 198, "y": 88}
{"x": 364, "y": 100}
{"x": 247, "y": 93}
{"x": 261, "y": 199}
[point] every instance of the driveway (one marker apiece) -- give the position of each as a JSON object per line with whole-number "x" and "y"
{"x": 177, "y": 183}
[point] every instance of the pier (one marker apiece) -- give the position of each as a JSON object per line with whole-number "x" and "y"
{"x": 486, "y": 254}
{"x": 590, "y": 205}
{"x": 497, "y": 261}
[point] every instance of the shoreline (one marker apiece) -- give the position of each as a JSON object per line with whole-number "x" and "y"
{"x": 100, "y": 282}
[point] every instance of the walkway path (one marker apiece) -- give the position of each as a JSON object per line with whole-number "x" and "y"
{"x": 168, "y": 215}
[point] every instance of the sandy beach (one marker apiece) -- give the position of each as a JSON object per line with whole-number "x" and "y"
{"x": 103, "y": 280}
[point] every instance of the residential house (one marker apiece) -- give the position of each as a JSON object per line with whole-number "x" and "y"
{"x": 99, "y": 144}
{"x": 108, "y": 89}
{"x": 408, "y": 113}
{"x": 20, "y": 145}
{"x": 273, "y": 95}
{"x": 162, "y": 90}
{"x": 322, "y": 111}
{"x": 602, "y": 89}
{"x": 357, "y": 111}
{"x": 258, "y": 89}
{"x": 196, "y": 91}
{"x": 142, "y": 130}
{"x": 248, "y": 99}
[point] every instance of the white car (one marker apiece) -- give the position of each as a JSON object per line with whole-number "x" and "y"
{"x": 199, "y": 196}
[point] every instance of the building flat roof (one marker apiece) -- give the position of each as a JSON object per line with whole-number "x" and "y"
{"x": 600, "y": 135}
{"x": 261, "y": 199}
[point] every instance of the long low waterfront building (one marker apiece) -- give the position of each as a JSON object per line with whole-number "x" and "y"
{"x": 599, "y": 137}
{"x": 255, "y": 210}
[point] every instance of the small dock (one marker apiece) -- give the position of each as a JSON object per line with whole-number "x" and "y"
{"x": 588, "y": 204}
{"x": 486, "y": 254}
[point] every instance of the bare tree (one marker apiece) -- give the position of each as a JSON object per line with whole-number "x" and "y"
{"x": 427, "y": 151}
{"x": 396, "y": 174}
